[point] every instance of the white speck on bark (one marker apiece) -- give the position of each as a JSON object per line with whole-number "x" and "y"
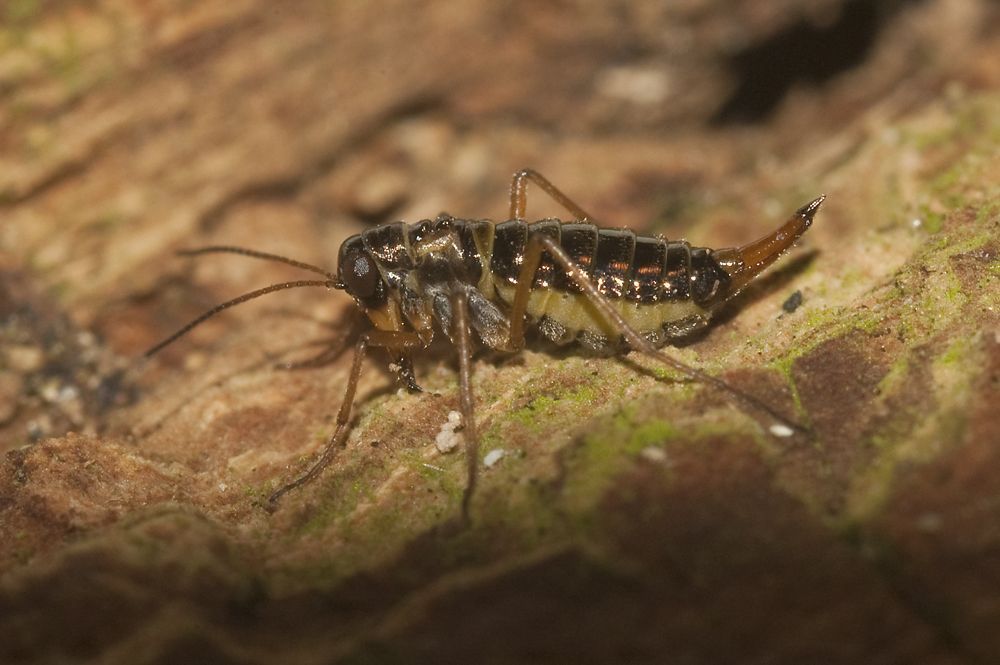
{"x": 493, "y": 457}
{"x": 784, "y": 431}
{"x": 447, "y": 439}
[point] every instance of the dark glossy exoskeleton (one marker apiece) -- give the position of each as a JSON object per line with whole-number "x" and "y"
{"x": 606, "y": 289}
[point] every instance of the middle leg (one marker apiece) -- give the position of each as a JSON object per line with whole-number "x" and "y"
{"x": 463, "y": 340}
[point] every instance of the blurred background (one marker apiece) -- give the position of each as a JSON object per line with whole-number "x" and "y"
{"x": 130, "y": 129}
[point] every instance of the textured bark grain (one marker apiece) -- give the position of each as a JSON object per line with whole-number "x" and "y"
{"x": 632, "y": 518}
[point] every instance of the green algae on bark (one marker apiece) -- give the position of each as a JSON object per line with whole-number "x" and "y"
{"x": 633, "y": 516}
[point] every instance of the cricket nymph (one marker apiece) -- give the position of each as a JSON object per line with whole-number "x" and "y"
{"x": 403, "y": 275}
{"x": 607, "y": 289}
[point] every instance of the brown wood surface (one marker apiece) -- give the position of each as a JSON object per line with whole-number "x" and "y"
{"x": 633, "y": 518}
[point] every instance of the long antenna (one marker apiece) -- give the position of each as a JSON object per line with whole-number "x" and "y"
{"x": 328, "y": 283}
{"x": 218, "y": 249}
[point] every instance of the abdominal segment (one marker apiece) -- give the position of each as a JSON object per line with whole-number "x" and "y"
{"x": 566, "y": 317}
{"x": 646, "y": 279}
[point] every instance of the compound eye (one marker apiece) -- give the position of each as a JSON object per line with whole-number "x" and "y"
{"x": 360, "y": 275}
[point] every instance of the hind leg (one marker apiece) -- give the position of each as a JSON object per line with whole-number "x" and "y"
{"x": 539, "y": 243}
{"x": 519, "y": 195}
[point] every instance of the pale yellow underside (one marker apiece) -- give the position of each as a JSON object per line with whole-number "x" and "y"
{"x": 576, "y": 312}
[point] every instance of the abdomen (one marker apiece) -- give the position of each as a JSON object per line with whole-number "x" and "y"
{"x": 646, "y": 278}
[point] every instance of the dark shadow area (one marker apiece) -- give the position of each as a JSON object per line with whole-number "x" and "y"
{"x": 803, "y": 53}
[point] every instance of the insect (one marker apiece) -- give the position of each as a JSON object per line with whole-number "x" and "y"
{"x": 606, "y": 289}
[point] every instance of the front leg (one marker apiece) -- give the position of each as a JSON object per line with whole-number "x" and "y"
{"x": 392, "y": 340}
